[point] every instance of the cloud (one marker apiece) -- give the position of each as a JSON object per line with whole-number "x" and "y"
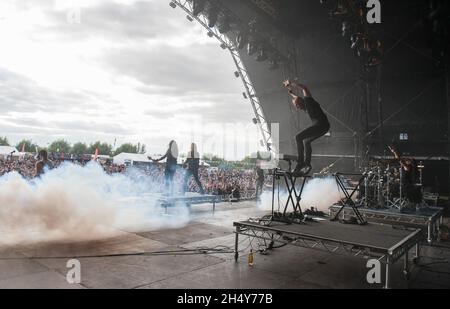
{"x": 131, "y": 70}
{"x": 196, "y": 69}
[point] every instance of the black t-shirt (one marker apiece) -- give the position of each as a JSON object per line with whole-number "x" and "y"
{"x": 260, "y": 174}
{"x": 314, "y": 111}
{"x": 170, "y": 159}
{"x": 193, "y": 163}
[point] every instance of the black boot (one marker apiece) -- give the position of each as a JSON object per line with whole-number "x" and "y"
{"x": 301, "y": 170}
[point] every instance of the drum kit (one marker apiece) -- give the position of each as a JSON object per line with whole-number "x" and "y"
{"x": 382, "y": 186}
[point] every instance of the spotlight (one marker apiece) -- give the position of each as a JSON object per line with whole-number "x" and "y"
{"x": 261, "y": 55}
{"x": 241, "y": 40}
{"x": 236, "y": 73}
{"x": 244, "y": 95}
{"x": 210, "y": 34}
{"x": 198, "y": 6}
{"x": 255, "y": 121}
{"x": 172, "y": 5}
{"x": 189, "y": 18}
{"x": 212, "y": 15}
{"x": 356, "y": 41}
{"x": 345, "y": 28}
{"x": 251, "y": 48}
{"x": 223, "y": 24}
{"x": 223, "y": 46}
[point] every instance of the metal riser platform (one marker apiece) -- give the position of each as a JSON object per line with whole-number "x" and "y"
{"x": 371, "y": 241}
{"x": 428, "y": 220}
{"x": 188, "y": 200}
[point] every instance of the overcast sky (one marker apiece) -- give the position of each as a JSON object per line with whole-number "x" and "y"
{"x": 135, "y": 71}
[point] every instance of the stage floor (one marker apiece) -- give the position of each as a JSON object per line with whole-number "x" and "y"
{"x": 106, "y": 263}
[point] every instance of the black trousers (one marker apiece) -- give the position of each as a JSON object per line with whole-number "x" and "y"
{"x": 306, "y": 137}
{"x": 169, "y": 174}
{"x": 259, "y": 187}
{"x": 187, "y": 176}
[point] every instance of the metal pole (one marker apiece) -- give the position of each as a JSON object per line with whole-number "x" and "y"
{"x": 380, "y": 105}
{"x": 388, "y": 273}
{"x": 236, "y": 244}
{"x": 447, "y": 82}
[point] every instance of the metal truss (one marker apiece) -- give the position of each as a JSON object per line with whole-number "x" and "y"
{"x": 386, "y": 256}
{"x": 429, "y": 224}
{"x": 329, "y": 246}
{"x": 226, "y": 43}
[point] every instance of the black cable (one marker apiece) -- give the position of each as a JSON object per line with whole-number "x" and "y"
{"x": 195, "y": 251}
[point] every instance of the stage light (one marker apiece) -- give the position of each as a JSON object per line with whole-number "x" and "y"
{"x": 212, "y": 14}
{"x": 255, "y": 121}
{"x": 210, "y": 34}
{"x": 236, "y": 73}
{"x": 345, "y": 28}
{"x": 198, "y": 6}
{"x": 189, "y": 18}
{"x": 244, "y": 95}
{"x": 251, "y": 48}
{"x": 172, "y": 5}
{"x": 241, "y": 40}
{"x": 261, "y": 55}
{"x": 223, "y": 24}
{"x": 223, "y": 46}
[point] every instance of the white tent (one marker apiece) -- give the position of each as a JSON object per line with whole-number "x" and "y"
{"x": 6, "y": 151}
{"x": 130, "y": 158}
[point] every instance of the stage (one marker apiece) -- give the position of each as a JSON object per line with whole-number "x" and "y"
{"x": 166, "y": 201}
{"x": 427, "y": 219}
{"x": 157, "y": 260}
{"x": 371, "y": 241}
{"x": 188, "y": 199}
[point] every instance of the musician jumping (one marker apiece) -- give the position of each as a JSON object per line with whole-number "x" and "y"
{"x": 320, "y": 125}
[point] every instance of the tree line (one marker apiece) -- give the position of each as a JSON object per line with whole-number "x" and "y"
{"x": 79, "y": 148}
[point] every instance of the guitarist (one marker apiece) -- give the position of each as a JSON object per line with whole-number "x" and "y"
{"x": 192, "y": 165}
{"x": 408, "y": 179}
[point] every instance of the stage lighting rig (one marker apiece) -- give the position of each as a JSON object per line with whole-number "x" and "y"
{"x": 212, "y": 14}
{"x": 261, "y": 54}
{"x": 252, "y": 46}
{"x": 346, "y": 28}
{"x": 352, "y": 15}
{"x": 241, "y": 40}
{"x": 198, "y": 6}
{"x": 172, "y": 5}
{"x": 224, "y": 23}
{"x": 251, "y": 49}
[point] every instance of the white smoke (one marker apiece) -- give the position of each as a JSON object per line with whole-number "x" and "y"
{"x": 320, "y": 193}
{"x": 80, "y": 203}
